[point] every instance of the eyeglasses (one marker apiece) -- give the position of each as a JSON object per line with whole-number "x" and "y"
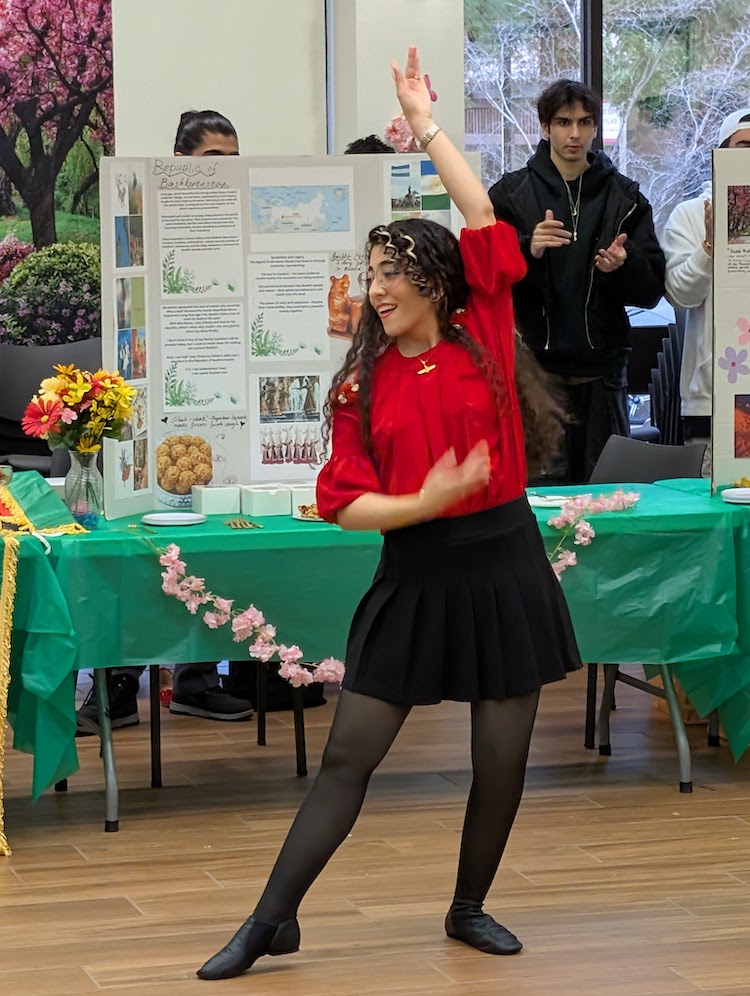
{"x": 386, "y": 276}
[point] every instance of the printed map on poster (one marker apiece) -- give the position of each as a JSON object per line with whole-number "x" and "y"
{"x": 301, "y": 209}
{"x": 292, "y": 210}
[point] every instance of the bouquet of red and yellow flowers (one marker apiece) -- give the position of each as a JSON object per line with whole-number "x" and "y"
{"x": 75, "y": 409}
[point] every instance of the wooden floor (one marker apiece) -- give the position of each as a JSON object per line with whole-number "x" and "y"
{"x": 616, "y": 883}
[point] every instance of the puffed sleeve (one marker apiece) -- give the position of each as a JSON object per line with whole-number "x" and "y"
{"x": 492, "y": 258}
{"x": 492, "y": 263}
{"x": 349, "y": 473}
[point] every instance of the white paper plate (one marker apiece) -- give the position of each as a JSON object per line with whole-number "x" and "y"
{"x": 736, "y": 496}
{"x": 306, "y": 518}
{"x": 173, "y": 519}
{"x": 552, "y": 501}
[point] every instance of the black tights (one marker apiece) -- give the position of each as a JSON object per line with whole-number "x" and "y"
{"x": 361, "y": 735}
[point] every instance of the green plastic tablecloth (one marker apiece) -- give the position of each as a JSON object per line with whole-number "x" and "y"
{"x": 41, "y": 698}
{"x": 43, "y": 645}
{"x": 668, "y": 582}
{"x": 664, "y": 582}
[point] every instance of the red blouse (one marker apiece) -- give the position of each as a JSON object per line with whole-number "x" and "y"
{"x": 416, "y": 418}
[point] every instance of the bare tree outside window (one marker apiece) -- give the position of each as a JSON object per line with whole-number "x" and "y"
{"x": 673, "y": 69}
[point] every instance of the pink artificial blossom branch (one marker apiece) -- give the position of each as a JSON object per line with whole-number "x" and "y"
{"x": 248, "y": 624}
{"x": 571, "y": 520}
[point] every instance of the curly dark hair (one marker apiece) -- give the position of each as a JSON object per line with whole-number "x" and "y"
{"x": 542, "y": 411}
{"x": 428, "y": 254}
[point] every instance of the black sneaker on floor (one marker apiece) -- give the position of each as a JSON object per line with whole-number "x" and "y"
{"x": 123, "y": 707}
{"x": 214, "y": 703}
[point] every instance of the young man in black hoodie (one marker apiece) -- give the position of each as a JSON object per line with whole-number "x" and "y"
{"x": 588, "y": 237}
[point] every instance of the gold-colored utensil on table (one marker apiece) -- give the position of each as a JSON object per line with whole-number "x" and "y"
{"x": 237, "y": 522}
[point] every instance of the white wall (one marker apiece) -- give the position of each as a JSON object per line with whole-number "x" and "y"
{"x": 368, "y": 34}
{"x": 259, "y": 62}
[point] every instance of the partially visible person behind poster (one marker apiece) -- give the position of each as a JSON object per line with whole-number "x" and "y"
{"x": 688, "y": 246}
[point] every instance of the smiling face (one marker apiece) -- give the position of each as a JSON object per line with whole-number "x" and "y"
{"x": 571, "y": 133}
{"x": 405, "y": 313}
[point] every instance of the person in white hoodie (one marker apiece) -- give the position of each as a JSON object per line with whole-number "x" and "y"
{"x": 688, "y": 245}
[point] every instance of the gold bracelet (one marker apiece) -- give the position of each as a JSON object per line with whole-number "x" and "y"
{"x": 428, "y": 136}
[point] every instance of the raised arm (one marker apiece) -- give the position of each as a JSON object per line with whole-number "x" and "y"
{"x": 463, "y": 186}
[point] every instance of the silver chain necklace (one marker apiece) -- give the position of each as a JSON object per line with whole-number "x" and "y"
{"x": 574, "y": 207}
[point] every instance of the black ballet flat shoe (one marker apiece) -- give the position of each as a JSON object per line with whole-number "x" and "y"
{"x": 253, "y": 940}
{"x": 480, "y": 931}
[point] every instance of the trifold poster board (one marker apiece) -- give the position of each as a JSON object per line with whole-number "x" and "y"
{"x": 230, "y": 291}
{"x": 731, "y": 373}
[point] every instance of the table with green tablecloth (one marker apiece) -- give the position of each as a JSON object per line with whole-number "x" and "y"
{"x": 665, "y": 582}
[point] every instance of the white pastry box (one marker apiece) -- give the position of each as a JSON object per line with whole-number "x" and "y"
{"x": 301, "y": 494}
{"x": 221, "y": 499}
{"x": 265, "y": 499}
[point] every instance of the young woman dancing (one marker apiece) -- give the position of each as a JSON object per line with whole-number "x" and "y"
{"x": 428, "y": 447}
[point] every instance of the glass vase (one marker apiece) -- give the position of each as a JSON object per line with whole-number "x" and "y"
{"x": 84, "y": 489}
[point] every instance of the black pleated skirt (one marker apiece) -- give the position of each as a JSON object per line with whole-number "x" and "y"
{"x": 464, "y": 608}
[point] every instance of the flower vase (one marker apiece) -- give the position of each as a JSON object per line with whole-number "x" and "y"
{"x": 84, "y": 489}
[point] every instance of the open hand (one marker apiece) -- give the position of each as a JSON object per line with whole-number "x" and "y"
{"x": 608, "y": 260}
{"x": 548, "y": 234}
{"x": 448, "y": 482}
{"x": 411, "y": 90}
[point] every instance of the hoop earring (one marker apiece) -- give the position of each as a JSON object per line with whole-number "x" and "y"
{"x": 435, "y": 296}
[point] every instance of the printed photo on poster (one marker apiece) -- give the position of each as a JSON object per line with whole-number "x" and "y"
{"x": 742, "y": 425}
{"x": 135, "y": 189}
{"x": 122, "y": 302}
{"x": 287, "y": 294}
{"x": 139, "y": 412}
{"x": 138, "y": 352}
{"x": 130, "y": 302}
{"x": 301, "y": 209}
{"x": 121, "y": 198}
{"x": 124, "y": 480}
{"x": 436, "y": 204}
{"x": 135, "y": 243}
{"x": 296, "y": 447}
{"x": 286, "y": 427}
{"x": 404, "y": 183}
{"x": 201, "y": 243}
{"x": 346, "y": 293}
{"x": 125, "y": 354}
{"x": 182, "y": 460}
{"x": 738, "y": 214}
{"x": 414, "y": 190}
{"x": 290, "y": 399}
{"x": 127, "y": 430}
{"x": 127, "y": 186}
{"x": 122, "y": 242}
{"x": 140, "y": 464}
